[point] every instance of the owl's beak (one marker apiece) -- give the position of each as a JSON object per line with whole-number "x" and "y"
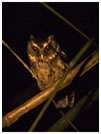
{"x": 41, "y": 56}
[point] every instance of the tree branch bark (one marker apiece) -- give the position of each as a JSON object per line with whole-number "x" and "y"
{"x": 15, "y": 114}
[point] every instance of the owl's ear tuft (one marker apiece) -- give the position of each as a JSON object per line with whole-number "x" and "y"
{"x": 50, "y": 37}
{"x": 31, "y": 37}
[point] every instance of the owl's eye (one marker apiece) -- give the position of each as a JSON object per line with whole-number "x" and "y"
{"x": 48, "y": 47}
{"x": 49, "y": 50}
{"x": 34, "y": 48}
{"x": 35, "y": 51}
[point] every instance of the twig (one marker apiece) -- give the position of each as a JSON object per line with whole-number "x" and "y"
{"x": 72, "y": 63}
{"x": 15, "y": 114}
{"x": 67, "y": 120}
{"x": 6, "y": 45}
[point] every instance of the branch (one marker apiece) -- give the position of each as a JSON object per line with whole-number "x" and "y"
{"x": 15, "y": 114}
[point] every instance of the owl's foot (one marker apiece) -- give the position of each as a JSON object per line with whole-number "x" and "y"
{"x": 65, "y": 101}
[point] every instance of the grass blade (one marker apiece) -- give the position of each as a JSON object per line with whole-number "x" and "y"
{"x": 71, "y": 65}
{"x": 65, "y": 20}
{"x": 13, "y": 116}
{"x": 61, "y": 124}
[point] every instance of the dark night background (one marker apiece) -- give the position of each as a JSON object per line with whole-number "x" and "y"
{"x": 19, "y": 20}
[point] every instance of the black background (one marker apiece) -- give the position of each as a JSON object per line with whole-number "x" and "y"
{"x": 19, "y": 20}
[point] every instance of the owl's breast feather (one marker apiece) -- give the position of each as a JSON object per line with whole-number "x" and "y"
{"x": 44, "y": 71}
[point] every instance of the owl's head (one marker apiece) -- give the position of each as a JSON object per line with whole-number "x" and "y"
{"x": 43, "y": 50}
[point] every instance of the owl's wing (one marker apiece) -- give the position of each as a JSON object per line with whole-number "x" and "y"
{"x": 62, "y": 54}
{"x": 64, "y": 58}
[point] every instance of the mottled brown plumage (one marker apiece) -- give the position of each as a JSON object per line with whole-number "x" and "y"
{"x": 47, "y": 63}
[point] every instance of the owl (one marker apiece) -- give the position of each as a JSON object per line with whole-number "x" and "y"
{"x": 47, "y": 62}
